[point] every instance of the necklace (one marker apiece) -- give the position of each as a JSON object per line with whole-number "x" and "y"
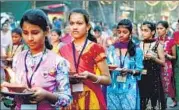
{"x": 76, "y": 63}
{"x": 78, "y": 48}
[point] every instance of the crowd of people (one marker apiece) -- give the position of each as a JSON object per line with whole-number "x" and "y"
{"x": 90, "y": 67}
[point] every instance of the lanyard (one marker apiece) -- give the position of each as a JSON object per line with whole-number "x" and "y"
{"x": 74, "y": 55}
{"x": 26, "y": 70}
{"x": 122, "y": 62}
{"x": 13, "y": 53}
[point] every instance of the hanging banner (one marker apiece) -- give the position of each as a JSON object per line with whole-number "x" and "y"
{"x": 152, "y": 3}
{"x": 172, "y": 5}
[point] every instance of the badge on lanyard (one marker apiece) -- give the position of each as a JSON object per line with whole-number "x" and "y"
{"x": 121, "y": 78}
{"x": 77, "y": 87}
{"x": 144, "y": 72}
{"x": 29, "y": 107}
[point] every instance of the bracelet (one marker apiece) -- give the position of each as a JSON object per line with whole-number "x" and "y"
{"x": 154, "y": 58}
{"x": 98, "y": 79}
{"x": 133, "y": 71}
{"x": 171, "y": 57}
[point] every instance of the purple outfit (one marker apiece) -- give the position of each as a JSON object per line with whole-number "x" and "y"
{"x": 52, "y": 75}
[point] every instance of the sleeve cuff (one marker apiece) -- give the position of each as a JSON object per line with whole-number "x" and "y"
{"x": 62, "y": 101}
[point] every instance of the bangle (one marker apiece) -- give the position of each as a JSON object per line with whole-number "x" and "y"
{"x": 98, "y": 79}
{"x": 154, "y": 58}
{"x": 133, "y": 71}
{"x": 171, "y": 57}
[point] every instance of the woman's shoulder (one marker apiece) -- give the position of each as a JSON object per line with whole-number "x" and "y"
{"x": 96, "y": 47}
{"x": 94, "y": 44}
{"x": 22, "y": 53}
{"x": 171, "y": 41}
{"x": 56, "y": 57}
{"x": 138, "y": 48}
{"x": 65, "y": 46}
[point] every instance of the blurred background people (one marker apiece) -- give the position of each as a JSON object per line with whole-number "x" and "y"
{"x": 55, "y": 38}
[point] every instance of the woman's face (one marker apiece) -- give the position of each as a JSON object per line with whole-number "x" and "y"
{"x": 123, "y": 34}
{"x": 6, "y": 26}
{"x": 54, "y": 36}
{"x": 33, "y": 35}
{"x": 146, "y": 32}
{"x": 114, "y": 31}
{"x": 78, "y": 26}
{"x": 97, "y": 34}
{"x": 161, "y": 30}
{"x": 16, "y": 38}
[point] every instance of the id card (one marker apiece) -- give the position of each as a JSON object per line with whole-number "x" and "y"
{"x": 29, "y": 106}
{"x": 144, "y": 72}
{"x": 77, "y": 87}
{"x": 121, "y": 78}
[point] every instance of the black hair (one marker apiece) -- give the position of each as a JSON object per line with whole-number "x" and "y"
{"x": 5, "y": 22}
{"x": 98, "y": 28}
{"x": 163, "y": 23}
{"x": 39, "y": 18}
{"x": 54, "y": 18}
{"x": 18, "y": 31}
{"x": 86, "y": 17}
{"x": 91, "y": 37}
{"x": 58, "y": 31}
{"x": 114, "y": 26}
{"x": 125, "y": 23}
{"x": 128, "y": 24}
{"x": 150, "y": 25}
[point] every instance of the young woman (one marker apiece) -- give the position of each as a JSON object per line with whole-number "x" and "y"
{"x": 83, "y": 54}
{"x": 38, "y": 69}
{"x": 98, "y": 35}
{"x": 170, "y": 54}
{"x": 176, "y": 65}
{"x": 6, "y": 40}
{"x": 150, "y": 85}
{"x": 17, "y": 45}
{"x": 124, "y": 94}
{"x": 55, "y": 40}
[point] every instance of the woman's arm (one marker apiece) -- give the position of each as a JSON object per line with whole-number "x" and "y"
{"x": 61, "y": 97}
{"x": 99, "y": 57}
{"x": 173, "y": 56}
{"x": 138, "y": 61}
{"x": 104, "y": 78}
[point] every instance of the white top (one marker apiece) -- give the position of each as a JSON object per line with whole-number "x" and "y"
{"x": 6, "y": 39}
